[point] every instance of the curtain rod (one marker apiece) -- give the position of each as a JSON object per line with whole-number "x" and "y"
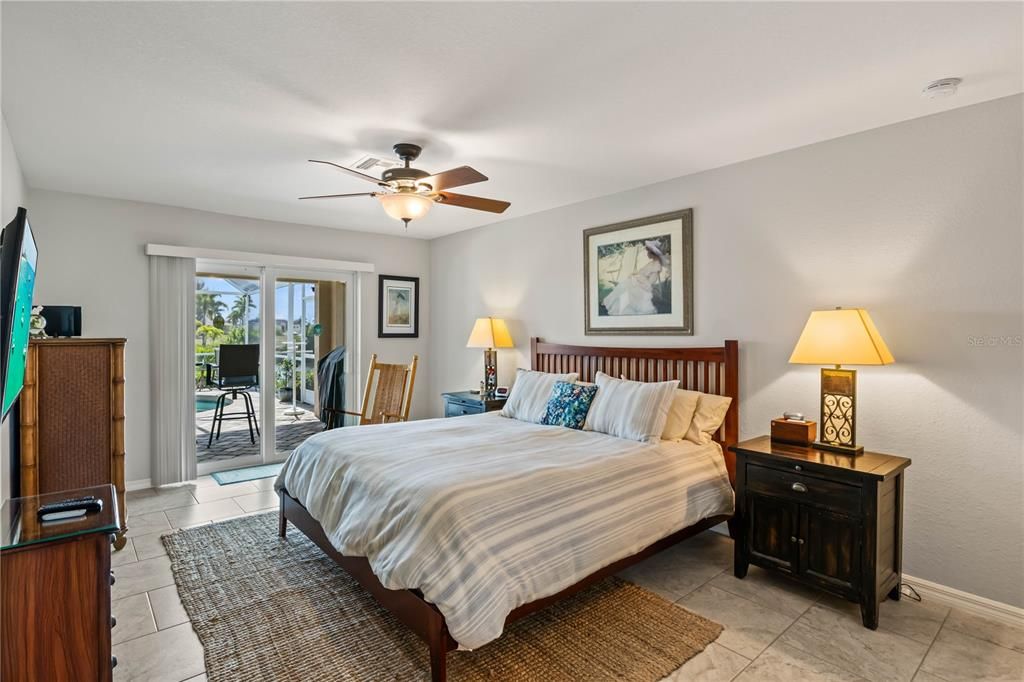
{"x": 253, "y": 258}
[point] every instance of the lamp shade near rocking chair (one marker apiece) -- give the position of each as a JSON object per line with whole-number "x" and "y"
{"x": 388, "y": 393}
{"x": 490, "y": 333}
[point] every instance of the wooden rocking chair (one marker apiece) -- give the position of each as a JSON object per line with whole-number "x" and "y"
{"x": 391, "y": 389}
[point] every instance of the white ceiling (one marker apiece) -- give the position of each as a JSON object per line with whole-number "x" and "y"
{"x": 217, "y": 106}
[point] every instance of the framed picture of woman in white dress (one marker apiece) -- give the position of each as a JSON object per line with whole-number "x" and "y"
{"x": 638, "y": 276}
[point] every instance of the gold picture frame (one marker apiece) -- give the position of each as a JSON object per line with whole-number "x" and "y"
{"x": 638, "y": 276}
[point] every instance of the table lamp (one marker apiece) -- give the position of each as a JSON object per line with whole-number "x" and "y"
{"x": 490, "y": 333}
{"x": 844, "y": 336}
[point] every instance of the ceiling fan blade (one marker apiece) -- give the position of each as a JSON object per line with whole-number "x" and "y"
{"x": 364, "y": 176}
{"x": 340, "y": 196}
{"x": 478, "y": 203}
{"x": 456, "y": 177}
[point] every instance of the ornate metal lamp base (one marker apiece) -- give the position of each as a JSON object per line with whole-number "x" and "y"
{"x": 839, "y": 411}
{"x": 852, "y": 450}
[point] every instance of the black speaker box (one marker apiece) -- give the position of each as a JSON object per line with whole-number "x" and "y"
{"x": 63, "y": 320}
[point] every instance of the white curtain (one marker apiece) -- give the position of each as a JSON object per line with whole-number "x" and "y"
{"x": 172, "y": 315}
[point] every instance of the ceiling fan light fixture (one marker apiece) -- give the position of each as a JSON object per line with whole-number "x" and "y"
{"x": 405, "y": 206}
{"x": 407, "y": 193}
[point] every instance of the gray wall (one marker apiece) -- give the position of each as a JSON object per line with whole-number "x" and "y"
{"x": 919, "y": 222}
{"x": 91, "y": 253}
{"x": 12, "y": 195}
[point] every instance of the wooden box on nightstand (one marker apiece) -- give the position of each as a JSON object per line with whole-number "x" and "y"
{"x": 826, "y": 519}
{"x": 794, "y": 432}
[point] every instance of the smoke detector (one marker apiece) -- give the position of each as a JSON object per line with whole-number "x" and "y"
{"x": 944, "y": 87}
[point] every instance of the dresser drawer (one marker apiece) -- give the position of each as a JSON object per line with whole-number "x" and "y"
{"x": 454, "y": 408}
{"x": 832, "y": 495}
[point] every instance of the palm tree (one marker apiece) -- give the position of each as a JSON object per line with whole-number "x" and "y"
{"x": 240, "y": 310}
{"x": 208, "y": 306}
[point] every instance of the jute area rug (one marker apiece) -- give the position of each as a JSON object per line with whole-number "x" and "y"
{"x": 267, "y": 608}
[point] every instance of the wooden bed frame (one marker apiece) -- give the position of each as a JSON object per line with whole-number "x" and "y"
{"x": 711, "y": 370}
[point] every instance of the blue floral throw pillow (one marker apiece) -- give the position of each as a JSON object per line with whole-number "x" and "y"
{"x": 569, "y": 404}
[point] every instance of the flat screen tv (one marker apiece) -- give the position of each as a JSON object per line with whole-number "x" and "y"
{"x": 18, "y": 257}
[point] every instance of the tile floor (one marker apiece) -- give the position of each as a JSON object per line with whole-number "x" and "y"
{"x": 774, "y": 629}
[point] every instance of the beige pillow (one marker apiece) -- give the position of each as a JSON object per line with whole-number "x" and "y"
{"x": 680, "y": 414}
{"x": 630, "y": 409}
{"x": 528, "y": 399}
{"x": 708, "y": 418}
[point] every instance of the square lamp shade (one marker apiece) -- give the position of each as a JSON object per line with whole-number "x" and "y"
{"x": 844, "y": 336}
{"x": 489, "y": 333}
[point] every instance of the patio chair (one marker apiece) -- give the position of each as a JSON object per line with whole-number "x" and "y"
{"x": 238, "y": 372}
{"x": 390, "y": 387}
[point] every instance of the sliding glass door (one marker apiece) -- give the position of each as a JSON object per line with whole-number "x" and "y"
{"x": 295, "y": 330}
{"x": 227, "y": 353}
{"x": 284, "y": 323}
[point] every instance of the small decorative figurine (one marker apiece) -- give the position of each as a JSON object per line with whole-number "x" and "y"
{"x": 37, "y": 323}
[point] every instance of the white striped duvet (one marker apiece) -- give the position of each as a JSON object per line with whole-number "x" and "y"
{"x": 484, "y": 513}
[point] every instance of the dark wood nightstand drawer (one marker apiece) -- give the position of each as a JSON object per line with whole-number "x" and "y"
{"x": 819, "y": 492}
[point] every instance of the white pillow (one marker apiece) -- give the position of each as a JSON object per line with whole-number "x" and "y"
{"x": 708, "y": 418}
{"x": 528, "y": 399}
{"x": 630, "y": 409}
{"x": 680, "y": 414}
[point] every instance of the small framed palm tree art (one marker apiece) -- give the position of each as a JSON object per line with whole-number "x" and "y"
{"x": 398, "y": 307}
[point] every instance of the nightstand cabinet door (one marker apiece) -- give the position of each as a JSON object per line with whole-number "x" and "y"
{"x": 831, "y": 550}
{"x": 772, "y": 530}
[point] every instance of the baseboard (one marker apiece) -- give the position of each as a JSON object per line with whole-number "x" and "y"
{"x": 965, "y": 601}
{"x": 949, "y": 596}
{"x": 141, "y": 484}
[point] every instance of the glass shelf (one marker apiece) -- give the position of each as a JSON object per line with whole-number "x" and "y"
{"x": 20, "y": 526}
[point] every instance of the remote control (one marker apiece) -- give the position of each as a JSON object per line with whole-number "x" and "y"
{"x": 78, "y": 506}
{"x": 63, "y": 515}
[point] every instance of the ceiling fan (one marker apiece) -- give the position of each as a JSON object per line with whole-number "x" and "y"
{"x": 408, "y": 193}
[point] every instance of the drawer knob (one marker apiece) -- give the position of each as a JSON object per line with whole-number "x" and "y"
{"x": 792, "y": 538}
{"x": 112, "y": 579}
{"x": 800, "y": 541}
{"x": 799, "y": 487}
{"x": 113, "y": 662}
{"x": 113, "y": 622}
{"x": 798, "y": 468}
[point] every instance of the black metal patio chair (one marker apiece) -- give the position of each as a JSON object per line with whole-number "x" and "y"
{"x": 237, "y": 372}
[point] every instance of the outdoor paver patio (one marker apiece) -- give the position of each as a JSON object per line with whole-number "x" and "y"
{"x": 234, "y": 441}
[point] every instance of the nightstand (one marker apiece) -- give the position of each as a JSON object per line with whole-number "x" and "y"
{"x": 459, "y": 403}
{"x": 825, "y": 519}
{"x": 56, "y": 589}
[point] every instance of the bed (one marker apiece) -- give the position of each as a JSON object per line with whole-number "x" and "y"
{"x": 446, "y": 530}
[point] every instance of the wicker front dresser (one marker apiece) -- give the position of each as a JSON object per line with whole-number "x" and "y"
{"x": 72, "y": 418}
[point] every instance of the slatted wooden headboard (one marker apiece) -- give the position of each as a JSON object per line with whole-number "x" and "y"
{"x": 710, "y": 370}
